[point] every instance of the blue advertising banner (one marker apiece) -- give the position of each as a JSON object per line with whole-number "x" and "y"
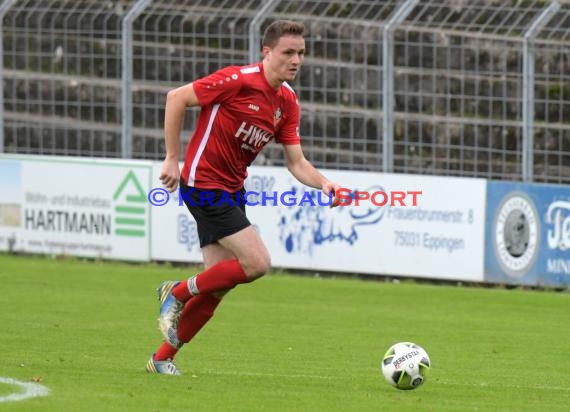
{"x": 527, "y": 234}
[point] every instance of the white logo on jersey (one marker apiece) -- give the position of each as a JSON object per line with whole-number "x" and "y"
{"x": 253, "y": 107}
{"x": 253, "y": 135}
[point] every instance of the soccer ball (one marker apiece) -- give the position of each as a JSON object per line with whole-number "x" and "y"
{"x": 405, "y": 365}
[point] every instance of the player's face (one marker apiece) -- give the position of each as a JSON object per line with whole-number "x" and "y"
{"x": 286, "y": 57}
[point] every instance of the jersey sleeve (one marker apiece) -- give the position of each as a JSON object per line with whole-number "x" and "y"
{"x": 218, "y": 86}
{"x": 289, "y": 131}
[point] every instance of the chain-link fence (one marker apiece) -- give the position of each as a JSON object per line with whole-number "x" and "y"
{"x": 476, "y": 88}
{"x": 62, "y": 77}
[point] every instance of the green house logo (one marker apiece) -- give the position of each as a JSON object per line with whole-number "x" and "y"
{"x": 130, "y": 207}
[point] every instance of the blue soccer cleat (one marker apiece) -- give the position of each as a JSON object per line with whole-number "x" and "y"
{"x": 170, "y": 310}
{"x": 165, "y": 367}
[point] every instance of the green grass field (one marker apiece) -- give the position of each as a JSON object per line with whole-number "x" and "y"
{"x": 283, "y": 343}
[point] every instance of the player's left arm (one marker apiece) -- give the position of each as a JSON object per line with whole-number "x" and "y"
{"x": 305, "y": 172}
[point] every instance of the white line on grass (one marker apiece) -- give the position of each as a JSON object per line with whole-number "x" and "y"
{"x": 31, "y": 390}
{"x": 487, "y": 385}
{"x": 304, "y": 376}
{"x": 267, "y": 375}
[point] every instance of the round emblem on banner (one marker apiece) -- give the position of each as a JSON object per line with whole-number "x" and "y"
{"x": 516, "y": 234}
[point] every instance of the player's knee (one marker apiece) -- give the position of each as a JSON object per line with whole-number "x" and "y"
{"x": 257, "y": 266}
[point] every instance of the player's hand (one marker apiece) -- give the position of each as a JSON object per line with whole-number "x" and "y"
{"x": 329, "y": 189}
{"x": 170, "y": 174}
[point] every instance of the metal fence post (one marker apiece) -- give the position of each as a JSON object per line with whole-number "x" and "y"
{"x": 127, "y": 77}
{"x": 254, "y": 34}
{"x": 388, "y": 83}
{"x": 4, "y": 7}
{"x": 528, "y": 90}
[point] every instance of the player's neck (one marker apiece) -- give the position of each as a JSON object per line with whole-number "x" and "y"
{"x": 271, "y": 76}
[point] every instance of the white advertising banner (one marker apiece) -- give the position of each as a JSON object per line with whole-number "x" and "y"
{"x": 403, "y": 225}
{"x": 72, "y": 206}
{"x": 428, "y": 227}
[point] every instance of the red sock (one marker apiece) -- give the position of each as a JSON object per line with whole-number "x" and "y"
{"x": 195, "y": 315}
{"x": 222, "y": 276}
{"x": 165, "y": 352}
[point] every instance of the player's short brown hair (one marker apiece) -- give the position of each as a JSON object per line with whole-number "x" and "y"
{"x": 280, "y": 28}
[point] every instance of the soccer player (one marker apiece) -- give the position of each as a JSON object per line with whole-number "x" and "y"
{"x": 242, "y": 109}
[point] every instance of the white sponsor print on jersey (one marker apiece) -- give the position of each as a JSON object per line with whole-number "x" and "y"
{"x": 252, "y": 136}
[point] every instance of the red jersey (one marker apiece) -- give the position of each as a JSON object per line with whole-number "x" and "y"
{"x": 240, "y": 113}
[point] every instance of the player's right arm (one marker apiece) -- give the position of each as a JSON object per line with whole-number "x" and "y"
{"x": 218, "y": 87}
{"x": 177, "y": 100}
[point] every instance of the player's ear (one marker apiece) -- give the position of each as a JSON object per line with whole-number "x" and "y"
{"x": 265, "y": 50}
